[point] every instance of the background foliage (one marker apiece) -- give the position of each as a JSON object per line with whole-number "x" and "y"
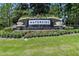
{"x": 11, "y": 12}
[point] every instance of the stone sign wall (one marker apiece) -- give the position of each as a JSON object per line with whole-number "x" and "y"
{"x": 40, "y": 24}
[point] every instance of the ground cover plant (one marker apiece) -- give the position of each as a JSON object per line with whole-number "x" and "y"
{"x": 66, "y": 45}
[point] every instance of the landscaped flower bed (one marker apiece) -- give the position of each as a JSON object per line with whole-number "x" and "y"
{"x": 36, "y": 33}
{"x": 50, "y": 33}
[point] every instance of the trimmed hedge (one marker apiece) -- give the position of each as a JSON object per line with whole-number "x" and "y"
{"x": 13, "y": 34}
{"x": 50, "y": 33}
{"x": 37, "y": 33}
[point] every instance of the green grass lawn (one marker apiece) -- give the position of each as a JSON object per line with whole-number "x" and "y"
{"x": 43, "y": 46}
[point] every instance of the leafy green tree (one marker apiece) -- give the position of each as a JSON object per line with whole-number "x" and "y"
{"x": 71, "y": 10}
{"x": 5, "y": 11}
{"x": 40, "y": 8}
{"x": 54, "y": 10}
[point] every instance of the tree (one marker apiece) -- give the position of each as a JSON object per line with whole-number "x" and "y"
{"x": 55, "y": 10}
{"x": 23, "y": 6}
{"x": 71, "y": 11}
{"x": 40, "y": 8}
{"x": 5, "y": 11}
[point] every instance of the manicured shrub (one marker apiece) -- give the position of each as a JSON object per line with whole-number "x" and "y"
{"x": 29, "y": 34}
{"x": 9, "y": 29}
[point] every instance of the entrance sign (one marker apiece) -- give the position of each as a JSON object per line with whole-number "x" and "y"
{"x": 39, "y": 22}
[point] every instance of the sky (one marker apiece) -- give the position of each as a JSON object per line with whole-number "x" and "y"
{"x": 39, "y": 1}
